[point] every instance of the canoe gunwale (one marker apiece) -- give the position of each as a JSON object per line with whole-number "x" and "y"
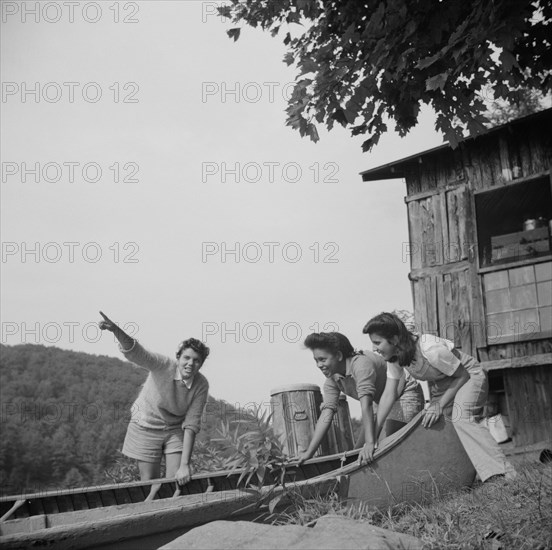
{"x": 207, "y": 476}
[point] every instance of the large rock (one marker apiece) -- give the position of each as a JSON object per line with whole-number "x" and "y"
{"x": 330, "y": 532}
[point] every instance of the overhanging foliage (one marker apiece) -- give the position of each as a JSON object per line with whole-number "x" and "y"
{"x": 365, "y": 63}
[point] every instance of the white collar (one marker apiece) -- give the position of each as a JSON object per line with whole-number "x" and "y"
{"x": 178, "y": 377}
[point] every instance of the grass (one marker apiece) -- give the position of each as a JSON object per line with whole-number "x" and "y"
{"x": 515, "y": 514}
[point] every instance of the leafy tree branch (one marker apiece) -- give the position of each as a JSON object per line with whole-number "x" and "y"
{"x": 365, "y": 64}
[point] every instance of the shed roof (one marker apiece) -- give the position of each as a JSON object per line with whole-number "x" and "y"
{"x": 400, "y": 168}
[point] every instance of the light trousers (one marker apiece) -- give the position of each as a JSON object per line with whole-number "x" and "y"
{"x": 466, "y": 414}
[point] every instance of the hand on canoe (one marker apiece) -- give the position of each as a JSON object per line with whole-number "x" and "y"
{"x": 366, "y": 454}
{"x": 301, "y": 457}
{"x": 183, "y": 474}
{"x": 431, "y": 415}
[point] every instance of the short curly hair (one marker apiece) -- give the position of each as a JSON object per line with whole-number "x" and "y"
{"x": 330, "y": 341}
{"x": 197, "y": 345}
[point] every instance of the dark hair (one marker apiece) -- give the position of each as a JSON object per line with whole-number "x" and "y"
{"x": 197, "y": 345}
{"x": 330, "y": 341}
{"x": 388, "y": 325}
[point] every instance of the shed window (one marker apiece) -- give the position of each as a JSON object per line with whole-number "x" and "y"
{"x": 518, "y": 303}
{"x": 514, "y": 222}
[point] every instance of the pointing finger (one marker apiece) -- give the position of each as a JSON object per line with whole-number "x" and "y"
{"x": 106, "y": 318}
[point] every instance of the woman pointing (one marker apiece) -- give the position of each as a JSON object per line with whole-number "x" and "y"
{"x": 167, "y": 412}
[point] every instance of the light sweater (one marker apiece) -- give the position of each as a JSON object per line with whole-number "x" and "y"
{"x": 163, "y": 402}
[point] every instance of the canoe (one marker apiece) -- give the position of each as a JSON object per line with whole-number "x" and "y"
{"x": 91, "y": 517}
{"x": 413, "y": 465}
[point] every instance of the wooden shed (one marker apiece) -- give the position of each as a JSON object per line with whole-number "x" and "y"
{"x": 480, "y": 224}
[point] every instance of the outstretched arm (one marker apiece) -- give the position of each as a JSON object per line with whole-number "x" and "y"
{"x": 191, "y": 425}
{"x": 126, "y": 341}
{"x": 385, "y": 405}
{"x": 366, "y": 454}
{"x": 184, "y": 473}
{"x": 132, "y": 350}
{"x": 322, "y": 427}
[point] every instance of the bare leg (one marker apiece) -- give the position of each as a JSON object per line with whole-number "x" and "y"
{"x": 150, "y": 470}
{"x": 172, "y": 462}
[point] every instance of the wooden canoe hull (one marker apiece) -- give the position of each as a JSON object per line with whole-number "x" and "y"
{"x": 54, "y": 503}
{"x": 116, "y": 524}
{"x": 416, "y": 464}
{"x": 413, "y": 465}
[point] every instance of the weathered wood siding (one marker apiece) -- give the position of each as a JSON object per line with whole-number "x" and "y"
{"x": 447, "y": 300}
{"x": 444, "y": 305}
{"x": 447, "y": 288}
{"x": 517, "y": 349}
{"x": 438, "y": 228}
{"x": 528, "y": 393}
{"x": 488, "y": 161}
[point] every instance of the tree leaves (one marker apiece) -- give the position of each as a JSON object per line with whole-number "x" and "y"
{"x": 398, "y": 55}
{"x": 289, "y": 58}
{"x": 234, "y": 33}
{"x": 428, "y": 61}
{"x": 340, "y": 116}
{"x": 436, "y": 82}
{"x": 369, "y": 143}
{"x": 312, "y": 132}
{"x": 308, "y": 65}
{"x": 508, "y": 60}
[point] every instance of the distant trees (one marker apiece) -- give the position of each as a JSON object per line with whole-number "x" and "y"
{"x": 526, "y": 101}
{"x": 64, "y": 416}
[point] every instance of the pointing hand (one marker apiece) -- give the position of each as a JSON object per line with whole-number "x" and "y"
{"x": 107, "y": 323}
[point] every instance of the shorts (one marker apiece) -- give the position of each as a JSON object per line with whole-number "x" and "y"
{"x": 148, "y": 444}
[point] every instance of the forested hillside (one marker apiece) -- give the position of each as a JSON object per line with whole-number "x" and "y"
{"x": 64, "y": 416}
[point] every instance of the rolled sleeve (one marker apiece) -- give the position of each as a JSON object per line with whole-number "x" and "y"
{"x": 331, "y": 395}
{"x": 441, "y": 358}
{"x": 394, "y": 371}
{"x": 192, "y": 420}
{"x": 365, "y": 375}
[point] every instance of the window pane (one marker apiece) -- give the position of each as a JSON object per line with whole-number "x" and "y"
{"x": 498, "y": 301}
{"x": 496, "y": 280}
{"x": 545, "y": 314}
{"x": 523, "y": 296}
{"x": 526, "y": 322}
{"x": 544, "y": 292}
{"x": 522, "y": 275}
{"x": 544, "y": 271}
{"x": 499, "y": 324}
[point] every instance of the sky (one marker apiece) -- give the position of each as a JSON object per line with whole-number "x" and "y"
{"x": 147, "y": 172}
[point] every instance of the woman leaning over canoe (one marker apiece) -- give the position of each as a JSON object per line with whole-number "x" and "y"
{"x": 360, "y": 375}
{"x": 457, "y": 383}
{"x": 166, "y": 415}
